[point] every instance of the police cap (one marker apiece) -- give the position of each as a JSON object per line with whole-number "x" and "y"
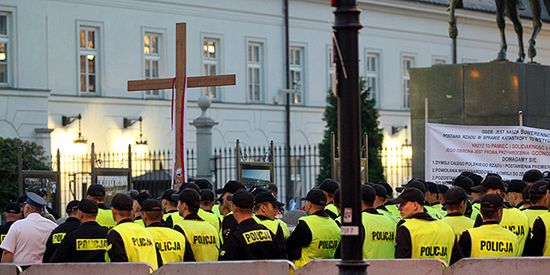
{"x": 72, "y": 206}
{"x": 266, "y": 196}
{"x": 35, "y": 200}
{"x": 491, "y": 182}
{"x": 190, "y": 196}
{"x": 207, "y": 195}
{"x": 431, "y": 187}
{"x": 204, "y": 184}
{"x": 380, "y": 190}
{"x": 532, "y": 175}
{"x": 492, "y": 201}
{"x": 96, "y": 190}
{"x": 464, "y": 182}
{"x": 455, "y": 195}
{"x": 243, "y": 199}
{"x": 516, "y": 186}
{"x": 329, "y": 185}
{"x": 151, "y": 205}
{"x": 413, "y": 183}
{"x": 13, "y": 208}
{"x": 410, "y": 194}
{"x": 167, "y": 195}
{"x": 316, "y": 196}
{"x": 368, "y": 193}
{"x": 122, "y": 202}
{"x": 442, "y": 188}
{"x": 88, "y": 206}
{"x": 538, "y": 189}
{"x": 231, "y": 187}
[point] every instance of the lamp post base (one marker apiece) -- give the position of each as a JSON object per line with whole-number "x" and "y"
{"x": 353, "y": 267}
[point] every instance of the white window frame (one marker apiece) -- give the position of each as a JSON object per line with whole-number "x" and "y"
{"x": 439, "y": 60}
{"x": 160, "y": 57}
{"x": 9, "y": 39}
{"x": 255, "y": 65}
{"x": 405, "y": 80}
{"x": 214, "y": 93}
{"x": 298, "y": 97}
{"x": 376, "y": 94}
{"x": 97, "y": 27}
{"x": 331, "y": 70}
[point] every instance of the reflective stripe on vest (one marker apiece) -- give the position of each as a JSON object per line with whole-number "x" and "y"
{"x": 459, "y": 224}
{"x": 138, "y": 243}
{"x": 325, "y": 237}
{"x": 105, "y": 218}
{"x": 546, "y": 221}
{"x": 379, "y": 242}
{"x": 169, "y": 243}
{"x": 430, "y": 239}
{"x": 492, "y": 240}
{"x": 516, "y": 221}
{"x": 203, "y": 238}
{"x": 533, "y": 214}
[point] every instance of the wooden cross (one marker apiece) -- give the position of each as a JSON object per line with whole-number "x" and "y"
{"x": 181, "y": 82}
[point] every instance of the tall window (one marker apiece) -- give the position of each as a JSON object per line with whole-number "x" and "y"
{"x": 373, "y": 75}
{"x": 297, "y": 74}
{"x": 88, "y": 53}
{"x": 151, "y": 53}
{"x": 4, "y": 53}
{"x": 255, "y": 71}
{"x": 407, "y": 62}
{"x": 210, "y": 63}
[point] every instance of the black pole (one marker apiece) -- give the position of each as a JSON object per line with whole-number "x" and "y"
{"x": 346, "y": 28}
{"x": 288, "y": 183}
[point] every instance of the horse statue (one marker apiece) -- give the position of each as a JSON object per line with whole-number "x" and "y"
{"x": 537, "y": 25}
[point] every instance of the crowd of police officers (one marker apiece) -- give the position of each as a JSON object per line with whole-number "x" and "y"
{"x": 471, "y": 216}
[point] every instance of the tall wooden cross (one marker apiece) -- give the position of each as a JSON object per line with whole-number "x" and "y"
{"x": 181, "y": 82}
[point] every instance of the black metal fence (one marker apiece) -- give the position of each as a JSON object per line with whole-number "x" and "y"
{"x": 152, "y": 170}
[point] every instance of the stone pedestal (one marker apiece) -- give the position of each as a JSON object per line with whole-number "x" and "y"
{"x": 477, "y": 94}
{"x": 204, "y": 127}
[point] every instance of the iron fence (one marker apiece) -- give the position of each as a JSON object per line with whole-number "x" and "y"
{"x": 152, "y": 170}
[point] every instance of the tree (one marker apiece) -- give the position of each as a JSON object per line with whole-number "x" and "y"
{"x": 369, "y": 125}
{"x": 33, "y": 157}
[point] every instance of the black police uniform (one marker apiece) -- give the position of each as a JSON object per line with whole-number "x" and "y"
{"x": 57, "y": 236}
{"x": 251, "y": 241}
{"x": 86, "y": 244}
{"x": 3, "y": 232}
{"x": 534, "y": 246}
{"x": 229, "y": 224}
{"x": 279, "y": 237}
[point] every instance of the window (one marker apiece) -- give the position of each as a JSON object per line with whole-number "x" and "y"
{"x": 439, "y": 60}
{"x": 210, "y": 63}
{"x": 330, "y": 70}
{"x": 88, "y": 54}
{"x": 373, "y": 75}
{"x": 4, "y": 49}
{"x": 151, "y": 53}
{"x": 407, "y": 62}
{"x": 255, "y": 71}
{"x": 297, "y": 74}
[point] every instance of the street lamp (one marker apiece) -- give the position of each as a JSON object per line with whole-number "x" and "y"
{"x": 67, "y": 120}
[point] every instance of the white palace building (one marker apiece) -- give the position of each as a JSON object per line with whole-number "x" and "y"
{"x": 70, "y": 57}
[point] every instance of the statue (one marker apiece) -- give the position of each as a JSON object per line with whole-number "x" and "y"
{"x": 453, "y": 5}
{"x": 509, "y": 8}
{"x": 537, "y": 25}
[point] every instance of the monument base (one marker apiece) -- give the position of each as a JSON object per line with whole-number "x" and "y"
{"x": 477, "y": 94}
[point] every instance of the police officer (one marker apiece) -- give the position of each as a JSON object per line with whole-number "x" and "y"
{"x": 249, "y": 240}
{"x": 329, "y": 187}
{"x": 381, "y": 195}
{"x": 441, "y": 190}
{"x": 532, "y": 176}
{"x": 12, "y": 213}
{"x": 539, "y": 244}
{"x": 514, "y": 193}
{"x": 202, "y": 237}
{"x": 265, "y": 208}
{"x": 25, "y": 242}
{"x": 96, "y": 192}
{"x": 136, "y": 207}
{"x": 170, "y": 244}
{"x": 512, "y": 218}
{"x": 432, "y": 199}
{"x": 229, "y": 223}
{"x": 490, "y": 239}
{"x": 420, "y": 235}
{"x": 170, "y": 208}
{"x": 466, "y": 184}
{"x": 379, "y": 237}
{"x": 538, "y": 195}
{"x": 420, "y": 184}
{"x": 129, "y": 241}
{"x": 57, "y": 235}
{"x": 210, "y": 217}
{"x": 316, "y": 236}
{"x": 455, "y": 202}
{"x": 88, "y": 242}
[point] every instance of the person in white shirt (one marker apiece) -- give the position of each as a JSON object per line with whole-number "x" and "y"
{"x": 25, "y": 242}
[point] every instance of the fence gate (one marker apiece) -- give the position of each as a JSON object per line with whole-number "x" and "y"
{"x": 115, "y": 180}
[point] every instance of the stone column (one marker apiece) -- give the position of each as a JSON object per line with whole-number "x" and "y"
{"x": 204, "y": 126}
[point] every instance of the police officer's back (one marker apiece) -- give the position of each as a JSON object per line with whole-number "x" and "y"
{"x": 170, "y": 208}
{"x": 249, "y": 240}
{"x": 129, "y": 241}
{"x": 420, "y": 235}
{"x": 201, "y": 236}
{"x": 58, "y": 234}
{"x": 170, "y": 244}
{"x": 490, "y": 239}
{"x": 316, "y": 236}
{"x": 88, "y": 242}
{"x": 539, "y": 201}
{"x": 455, "y": 202}
{"x": 229, "y": 223}
{"x": 329, "y": 187}
{"x": 379, "y": 230}
{"x": 265, "y": 209}
{"x": 12, "y": 213}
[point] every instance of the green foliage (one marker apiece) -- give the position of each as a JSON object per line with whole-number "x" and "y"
{"x": 369, "y": 125}
{"x": 33, "y": 158}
